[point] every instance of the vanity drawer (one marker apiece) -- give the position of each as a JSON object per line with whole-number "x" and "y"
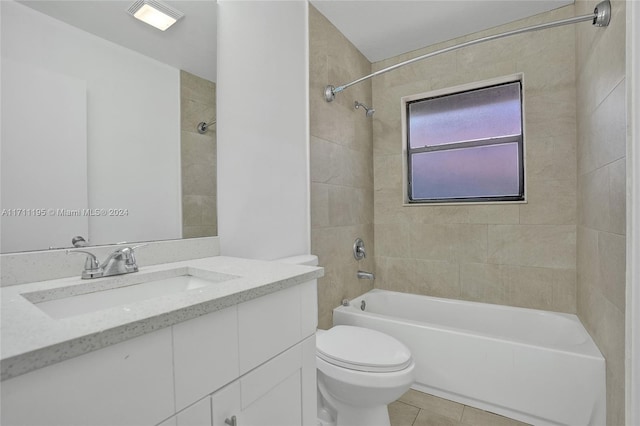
{"x": 205, "y": 354}
{"x": 129, "y": 383}
{"x": 273, "y": 323}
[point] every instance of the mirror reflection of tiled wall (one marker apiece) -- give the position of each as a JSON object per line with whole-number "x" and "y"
{"x": 198, "y": 156}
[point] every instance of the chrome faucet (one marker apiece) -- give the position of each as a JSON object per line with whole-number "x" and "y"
{"x": 362, "y": 275}
{"x": 359, "y": 253}
{"x": 121, "y": 261}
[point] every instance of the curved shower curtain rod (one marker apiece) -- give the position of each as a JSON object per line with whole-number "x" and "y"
{"x": 600, "y": 18}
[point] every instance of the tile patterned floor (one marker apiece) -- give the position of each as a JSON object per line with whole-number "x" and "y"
{"x": 420, "y": 409}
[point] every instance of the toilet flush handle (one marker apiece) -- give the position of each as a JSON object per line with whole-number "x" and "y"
{"x": 232, "y": 421}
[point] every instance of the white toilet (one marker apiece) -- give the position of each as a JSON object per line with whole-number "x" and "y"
{"x": 360, "y": 371}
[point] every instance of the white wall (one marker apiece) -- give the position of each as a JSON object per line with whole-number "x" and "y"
{"x": 33, "y": 128}
{"x": 133, "y": 123}
{"x": 263, "y": 131}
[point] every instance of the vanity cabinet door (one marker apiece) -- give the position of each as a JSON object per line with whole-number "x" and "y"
{"x": 281, "y": 406}
{"x": 225, "y": 404}
{"x": 271, "y": 395}
{"x": 283, "y": 391}
{"x": 199, "y": 414}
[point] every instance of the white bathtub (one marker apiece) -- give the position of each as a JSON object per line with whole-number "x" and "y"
{"x": 534, "y": 366}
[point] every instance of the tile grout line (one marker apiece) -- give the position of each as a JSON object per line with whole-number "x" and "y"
{"x": 464, "y": 407}
{"x": 416, "y": 417}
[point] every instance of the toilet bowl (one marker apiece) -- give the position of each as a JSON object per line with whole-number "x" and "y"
{"x": 360, "y": 371}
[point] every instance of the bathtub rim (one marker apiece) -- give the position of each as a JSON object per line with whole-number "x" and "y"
{"x": 587, "y": 349}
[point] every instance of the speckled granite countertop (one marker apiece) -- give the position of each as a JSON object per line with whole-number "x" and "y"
{"x": 31, "y": 339}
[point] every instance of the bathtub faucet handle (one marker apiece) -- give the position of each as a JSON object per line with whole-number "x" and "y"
{"x": 358, "y": 249}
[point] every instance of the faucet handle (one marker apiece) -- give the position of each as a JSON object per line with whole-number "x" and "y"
{"x": 358, "y": 249}
{"x": 91, "y": 261}
{"x": 128, "y": 253}
{"x": 91, "y": 264}
{"x": 121, "y": 243}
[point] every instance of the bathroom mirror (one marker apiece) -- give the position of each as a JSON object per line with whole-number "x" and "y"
{"x": 100, "y": 117}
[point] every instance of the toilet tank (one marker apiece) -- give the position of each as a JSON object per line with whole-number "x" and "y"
{"x": 303, "y": 259}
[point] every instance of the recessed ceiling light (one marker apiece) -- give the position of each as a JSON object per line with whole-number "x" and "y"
{"x": 155, "y": 13}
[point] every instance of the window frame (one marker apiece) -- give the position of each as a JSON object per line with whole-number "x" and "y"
{"x": 407, "y": 151}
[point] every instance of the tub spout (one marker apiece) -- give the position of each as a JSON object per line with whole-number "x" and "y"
{"x": 366, "y": 275}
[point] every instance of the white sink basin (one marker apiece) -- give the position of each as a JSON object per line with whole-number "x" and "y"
{"x": 72, "y": 305}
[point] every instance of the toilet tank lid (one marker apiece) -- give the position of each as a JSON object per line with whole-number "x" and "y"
{"x": 303, "y": 259}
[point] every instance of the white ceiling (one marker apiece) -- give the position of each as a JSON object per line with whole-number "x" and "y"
{"x": 380, "y": 29}
{"x": 190, "y": 44}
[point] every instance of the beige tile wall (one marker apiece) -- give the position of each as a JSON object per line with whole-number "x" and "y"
{"x": 198, "y": 157}
{"x": 564, "y": 250}
{"x": 341, "y": 166}
{"x": 600, "y": 69}
{"x": 514, "y": 254}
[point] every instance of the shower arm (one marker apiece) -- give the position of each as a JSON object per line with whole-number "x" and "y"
{"x": 600, "y": 18}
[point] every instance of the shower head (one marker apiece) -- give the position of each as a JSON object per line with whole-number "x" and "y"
{"x": 79, "y": 241}
{"x": 369, "y": 111}
{"x": 203, "y": 127}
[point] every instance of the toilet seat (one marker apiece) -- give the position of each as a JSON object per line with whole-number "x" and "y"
{"x": 362, "y": 349}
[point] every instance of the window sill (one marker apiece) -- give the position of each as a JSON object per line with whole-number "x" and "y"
{"x": 471, "y": 203}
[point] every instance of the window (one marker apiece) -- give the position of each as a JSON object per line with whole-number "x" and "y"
{"x": 465, "y": 146}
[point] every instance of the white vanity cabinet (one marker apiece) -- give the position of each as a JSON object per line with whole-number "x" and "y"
{"x": 270, "y": 395}
{"x": 273, "y": 394}
{"x": 263, "y": 350}
{"x": 254, "y": 360}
